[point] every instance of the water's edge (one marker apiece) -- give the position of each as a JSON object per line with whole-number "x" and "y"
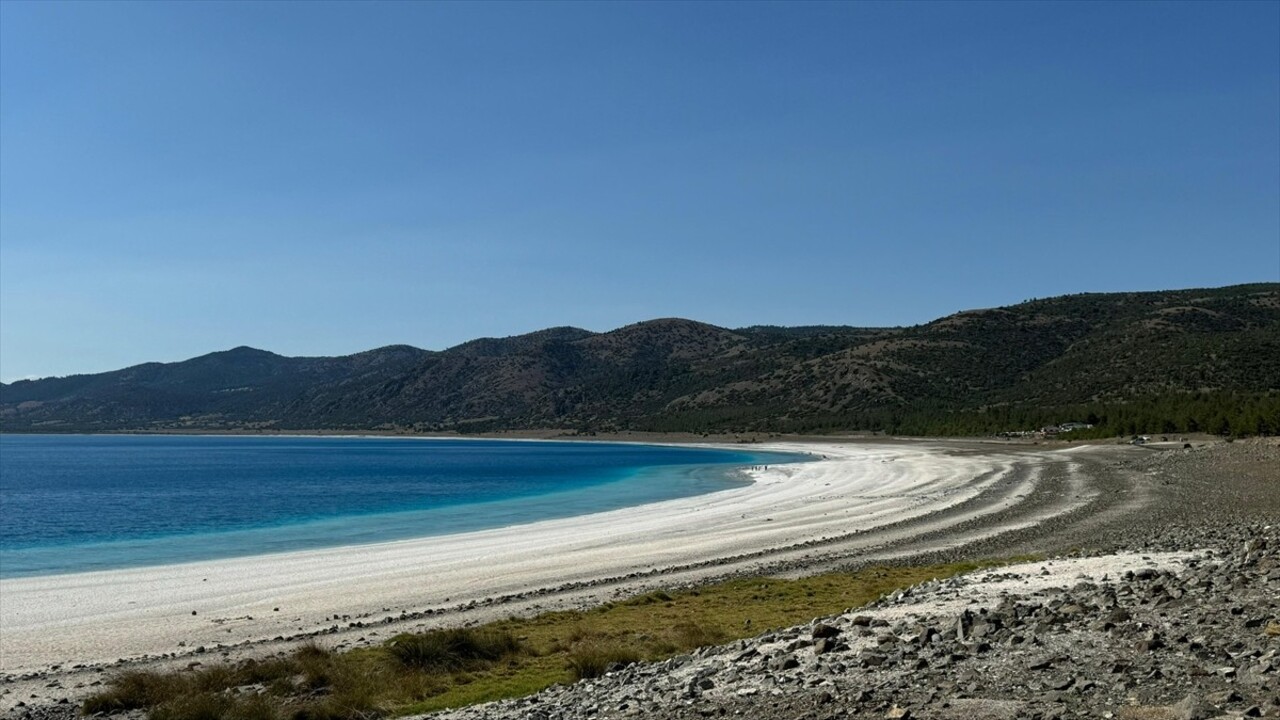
{"x": 637, "y": 486}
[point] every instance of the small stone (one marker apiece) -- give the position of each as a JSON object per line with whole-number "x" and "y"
{"x": 822, "y": 630}
{"x": 826, "y": 645}
{"x": 1042, "y": 664}
{"x": 1193, "y": 707}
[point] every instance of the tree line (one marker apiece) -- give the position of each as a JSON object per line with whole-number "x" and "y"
{"x": 1233, "y": 414}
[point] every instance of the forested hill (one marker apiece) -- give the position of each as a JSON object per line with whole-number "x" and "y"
{"x": 1129, "y": 362}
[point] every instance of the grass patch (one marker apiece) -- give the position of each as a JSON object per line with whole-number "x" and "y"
{"x": 133, "y": 690}
{"x": 420, "y": 672}
{"x": 451, "y": 650}
{"x": 594, "y": 658}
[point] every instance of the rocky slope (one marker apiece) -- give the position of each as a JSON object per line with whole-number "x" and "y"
{"x": 1171, "y": 634}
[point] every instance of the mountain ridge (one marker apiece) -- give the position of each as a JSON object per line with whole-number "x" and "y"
{"x": 1006, "y": 365}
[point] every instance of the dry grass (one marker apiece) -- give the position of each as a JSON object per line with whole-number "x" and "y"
{"x": 594, "y": 658}
{"x": 449, "y": 668}
{"x": 451, "y": 650}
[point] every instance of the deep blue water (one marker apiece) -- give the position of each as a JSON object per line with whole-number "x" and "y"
{"x": 92, "y": 502}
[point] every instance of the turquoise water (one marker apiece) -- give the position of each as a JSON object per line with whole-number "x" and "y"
{"x": 77, "y": 503}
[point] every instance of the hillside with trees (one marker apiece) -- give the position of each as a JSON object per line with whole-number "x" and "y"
{"x": 1151, "y": 362}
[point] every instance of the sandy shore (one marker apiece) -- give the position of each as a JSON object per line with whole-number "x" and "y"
{"x": 100, "y": 617}
{"x": 870, "y": 501}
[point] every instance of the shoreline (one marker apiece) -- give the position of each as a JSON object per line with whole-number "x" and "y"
{"x": 690, "y": 474}
{"x": 102, "y": 616}
{"x": 1027, "y": 500}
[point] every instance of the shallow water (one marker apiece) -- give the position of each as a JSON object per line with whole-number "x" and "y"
{"x": 77, "y": 503}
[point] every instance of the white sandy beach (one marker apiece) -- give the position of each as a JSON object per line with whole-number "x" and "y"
{"x": 102, "y": 616}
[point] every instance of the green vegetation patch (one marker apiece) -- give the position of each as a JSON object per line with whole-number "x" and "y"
{"x": 420, "y": 672}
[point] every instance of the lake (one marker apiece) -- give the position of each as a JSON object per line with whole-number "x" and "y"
{"x": 73, "y": 503}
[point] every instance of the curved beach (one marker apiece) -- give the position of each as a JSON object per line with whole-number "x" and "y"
{"x": 101, "y": 617}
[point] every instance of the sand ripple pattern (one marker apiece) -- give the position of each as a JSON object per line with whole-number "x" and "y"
{"x": 860, "y": 503}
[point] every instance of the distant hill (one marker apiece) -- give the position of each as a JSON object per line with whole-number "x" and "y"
{"x": 1127, "y": 362}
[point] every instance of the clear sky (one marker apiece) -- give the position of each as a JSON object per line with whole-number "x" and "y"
{"x": 324, "y": 178}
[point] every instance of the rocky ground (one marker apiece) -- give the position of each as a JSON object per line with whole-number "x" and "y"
{"x": 1188, "y": 627}
{"x": 1157, "y": 635}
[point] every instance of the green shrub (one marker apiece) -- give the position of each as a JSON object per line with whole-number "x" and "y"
{"x": 193, "y": 706}
{"x": 252, "y": 707}
{"x": 451, "y": 650}
{"x": 594, "y": 659}
{"x": 266, "y": 672}
{"x": 690, "y": 636}
{"x": 133, "y": 690}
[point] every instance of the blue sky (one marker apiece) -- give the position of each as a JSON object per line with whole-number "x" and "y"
{"x": 324, "y": 178}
